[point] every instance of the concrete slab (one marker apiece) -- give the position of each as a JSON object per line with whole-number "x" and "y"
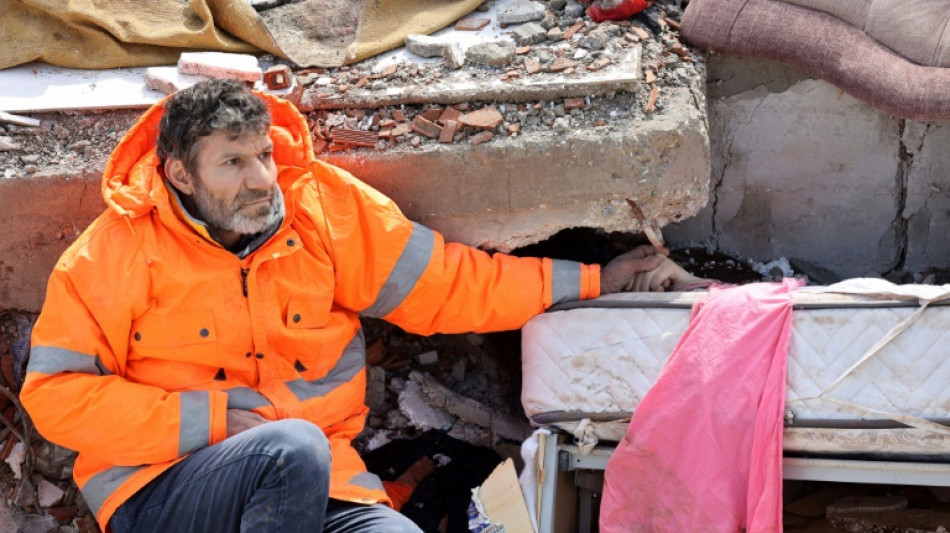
{"x": 486, "y": 195}
{"x": 927, "y": 209}
{"x": 800, "y": 170}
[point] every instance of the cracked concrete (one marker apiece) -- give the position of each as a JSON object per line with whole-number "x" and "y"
{"x": 801, "y": 170}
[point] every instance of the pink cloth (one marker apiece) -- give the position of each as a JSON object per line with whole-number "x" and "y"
{"x": 703, "y": 452}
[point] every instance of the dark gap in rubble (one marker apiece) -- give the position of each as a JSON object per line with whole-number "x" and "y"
{"x": 591, "y": 245}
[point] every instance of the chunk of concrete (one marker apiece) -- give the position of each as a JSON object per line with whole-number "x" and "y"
{"x": 168, "y": 80}
{"x": 48, "y": 494}
{"x": 530, "y": 33}
{"x": 521, "y": 11}
{"x": 221, "y": 65}
{"x": 805, "y": 172}
{"x": 492, "y": 53}
{"x": 420, "y": 414}
{"x": 454, "y": 56}
{"x": 927, "y": 204}
{"x": 662, "y": 162}
{"x": 426, "y": 46}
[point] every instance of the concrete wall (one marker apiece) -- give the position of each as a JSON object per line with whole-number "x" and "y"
{"x": 801, "y": 170}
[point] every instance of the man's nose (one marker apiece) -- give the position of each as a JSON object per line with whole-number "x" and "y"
{"x": 261, "y": 175}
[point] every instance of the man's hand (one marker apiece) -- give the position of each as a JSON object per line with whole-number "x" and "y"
{"x": 240, "y": 420}
{"x": 621, "y": 271}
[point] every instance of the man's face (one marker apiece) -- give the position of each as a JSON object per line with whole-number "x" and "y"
{"x": 235, "y": 185}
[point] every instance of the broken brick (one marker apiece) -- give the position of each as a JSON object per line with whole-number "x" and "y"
{"x": 514, "y": 129}
{"x": 599, "y": 64}
{"x": 426, "y": 127}
{"x": 640, "y": 32}
{"x": 432, "y": 114}
{"x": 278, "y": 77}
{"x": 319, "y": 146}
{"x": 387, "y": 123}
{"x": 632, "y": 37}
{"x": 464, "y": 106}
{"x": 398, "y": 115}
{"x": 573, "y": 103}
{"x": 388, "y": 71}
{"x": 401, "y": 130}
{"x": 355, "y": 137}
{"x": 362, "y": 82}
{"x": 486, "y": 118}
{"x": 532, "y": 65}
{"x": 679, "y": 50}
{"x": 512, "y": 74}
{"x": 649, "y": 77}
{"x": 599, "y": 123}
{"x": 449, "y": 113}
{"x": 481, "y": 137}
{"x": 568, "y": 33}
{"x": 355, "y": 113}
{"x": 651, "y": 103}
{"x": 561, "y": 64}
{"x": 472, "y": 23}
{"x": 448, "y": 132}
{"x": 555, "y": 34}
{"x": 523, "y": 50}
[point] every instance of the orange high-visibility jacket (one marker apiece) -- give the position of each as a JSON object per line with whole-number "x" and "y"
{"x": 150, "y": 331}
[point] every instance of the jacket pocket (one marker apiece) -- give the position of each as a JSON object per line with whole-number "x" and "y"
{"x": 307, "y": 312}
{"x": 174, "y": 350}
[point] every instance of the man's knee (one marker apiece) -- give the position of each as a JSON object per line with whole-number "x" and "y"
{"x": 295, "y": 441}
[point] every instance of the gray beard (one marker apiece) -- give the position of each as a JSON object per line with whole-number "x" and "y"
{"x": 219, "y": 217}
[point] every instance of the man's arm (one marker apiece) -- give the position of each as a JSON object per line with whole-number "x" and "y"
{"x": 77, "y": 397}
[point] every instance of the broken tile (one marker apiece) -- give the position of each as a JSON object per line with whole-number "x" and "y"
{"x": 514, "y": 129}
{"x": 522, "y": 50}
{"x": 555, "y": 34}
{"x": 426, "y": 127}
{"x": 487, "y": 118}
{"x": 640, "y": 32}
{"x": 432, "y": 114}
{"x": 651, "y": 103}
{"x": 561, "y": 64}
{"x": 168, "y": 80}
{"x": 398, "y": 115}
{"x": 481, "y": 137}
{"x": 569, "y": 33}
{"x": 600, "y": 123}
{"x": 278, "y": 77}
{"x": 532, "y": 65}
{"x": 401, "y": 130}
{"x": 649, "y": 77}
{"x": 355, "y": 137}
{"x": 448, "y": 131}
{"x": 220, "y": 65}
{"x": 387, "y": 123}
{"x": 472, "y": 23}
{"x": 599, "y": 64}
{"x": 449, "y": 113}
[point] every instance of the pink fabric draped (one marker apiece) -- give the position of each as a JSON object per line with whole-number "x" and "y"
{"x": 703, "y": 452}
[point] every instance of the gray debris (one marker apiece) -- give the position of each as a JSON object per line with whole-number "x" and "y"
{"x": 573, "y": 9}
{"x": 492, "y": 53}
{"x": 426, "y": 46}
{"x": 557, "y": 5}
{"x": 596, "y": 39}
{"x": 7, "y": 144}
{"x": 530, "y": 33}
{"x": 519, "y": 12}
{"x": 454, "y": 56}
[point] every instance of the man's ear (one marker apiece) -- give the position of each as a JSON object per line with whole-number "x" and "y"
{"x": 178, "y": 176}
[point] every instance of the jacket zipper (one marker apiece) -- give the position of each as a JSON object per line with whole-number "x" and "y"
{"x": 244, "y": 272}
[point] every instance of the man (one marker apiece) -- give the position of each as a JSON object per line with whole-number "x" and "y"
{"x": 200, "y": 343}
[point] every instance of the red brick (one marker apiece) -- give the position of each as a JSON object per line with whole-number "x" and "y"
{"x": 426, "y": 127}
{"x": 401, "y": 130}
{"x": 278, "y": 77}
{"x": 472, "y": 23}
{"x": 432, "y": 114}
{"x": 561, "y": 64}
{"x": 573, "y": 103}
{"x": 522, "y": 50}
{"x": 532, "y": 66}
{"x": 398, "y": 115}
{"x": 486, "y": 118}
{"x": 448, "y": 132}
{"x": 651, "y": 103}
{"x": 568, "y": 33}
{"x": 387, "y": 123}
{"x": 599, "y": 64}
{"x": 449, "y": 113}
{"x": 481, "y": 137}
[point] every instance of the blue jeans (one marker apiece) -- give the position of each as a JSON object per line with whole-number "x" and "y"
{"x": 271, "y": 478}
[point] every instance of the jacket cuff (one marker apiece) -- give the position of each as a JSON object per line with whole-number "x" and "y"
{"x": 590, "y": 282}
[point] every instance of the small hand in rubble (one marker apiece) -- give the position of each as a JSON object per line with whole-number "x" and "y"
{"x": 646, "y": 268}
{"x": 240, "y": 420}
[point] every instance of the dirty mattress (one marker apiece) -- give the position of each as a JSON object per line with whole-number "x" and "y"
{"x": 589, "y": 364}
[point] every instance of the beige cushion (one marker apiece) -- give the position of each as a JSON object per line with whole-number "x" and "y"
{"x": 916, "y": 29}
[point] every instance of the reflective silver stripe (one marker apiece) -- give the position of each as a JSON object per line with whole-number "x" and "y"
{"x": 350, "y": 363}
{"x": 367, "y": 480}
{"x": 565, "y": 282}
{"x": 101, "y": 485}
{"x": 412, "y": 262}
{"x": 245, "y": 398}
{"x": 195, "y": 432}
{"x": 53, "y": 360}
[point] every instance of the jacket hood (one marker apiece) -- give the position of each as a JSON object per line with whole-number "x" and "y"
{"x": 132, "y": 184}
